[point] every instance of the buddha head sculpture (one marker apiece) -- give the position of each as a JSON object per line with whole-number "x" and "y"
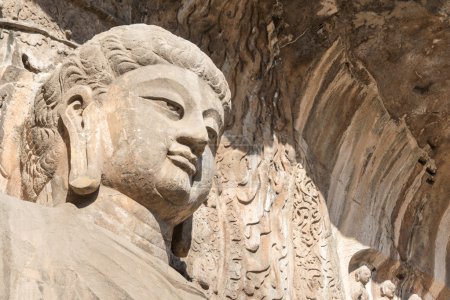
{"x": 387, "y": 289}
{"x": 363, "y": 274}
{"x": 137, "y": 109}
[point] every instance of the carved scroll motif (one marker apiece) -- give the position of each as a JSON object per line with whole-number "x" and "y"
{"x": 315, "y": 273}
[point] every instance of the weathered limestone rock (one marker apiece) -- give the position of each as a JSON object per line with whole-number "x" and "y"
{"x": 335, "y": 154}
{"x": 362, "y": 278}
{"x": 120, "y": 140}
{"x": 61, "y": 253}
{"x": 387, "y": 290}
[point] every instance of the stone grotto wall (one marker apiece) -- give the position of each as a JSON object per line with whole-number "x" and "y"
{"x": 337, "y": 154}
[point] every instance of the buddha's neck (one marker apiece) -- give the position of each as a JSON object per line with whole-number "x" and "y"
{"x": 128, "y": 219}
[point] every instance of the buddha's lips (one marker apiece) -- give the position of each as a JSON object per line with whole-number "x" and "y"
{"x": 184, "y": 160}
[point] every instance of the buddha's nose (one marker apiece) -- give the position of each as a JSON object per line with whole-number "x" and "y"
{"x": 194, "y": 135}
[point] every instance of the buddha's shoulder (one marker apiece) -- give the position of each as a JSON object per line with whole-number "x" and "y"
{"x": 19, "y": 215}
{"x": 58, "y": 252}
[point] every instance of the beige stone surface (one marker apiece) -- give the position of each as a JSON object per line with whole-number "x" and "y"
{"x": 387, "y": 290}
{"x": 120, "y": 138}
{"x": 362, "y": 277}
{"x": 60, "y": 253}
{"x": 335, "y": 154}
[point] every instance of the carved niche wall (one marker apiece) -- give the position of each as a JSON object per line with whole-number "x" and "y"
{"x": 328, "y": 155}
{"x": 242, "y": 237}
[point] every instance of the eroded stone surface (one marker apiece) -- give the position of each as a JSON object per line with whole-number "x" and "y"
{"x": 126, "y": 131}
{"x": 336, "y": 151}
{"x": 362, "y": 277}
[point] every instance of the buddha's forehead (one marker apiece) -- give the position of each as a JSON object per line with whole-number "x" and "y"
{"x": 164, "y": 76}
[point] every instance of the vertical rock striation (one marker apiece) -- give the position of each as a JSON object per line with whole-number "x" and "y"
{"x": 337, "y": 151}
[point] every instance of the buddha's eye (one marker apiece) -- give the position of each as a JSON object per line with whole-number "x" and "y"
{"x": 172, "y": 109}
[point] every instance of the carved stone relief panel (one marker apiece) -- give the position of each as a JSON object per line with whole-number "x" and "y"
{"x": 334, "y": 154}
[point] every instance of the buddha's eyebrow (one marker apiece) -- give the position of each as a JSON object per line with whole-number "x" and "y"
{"x": 215, "y": 115}
{"x": 163, "y": 87}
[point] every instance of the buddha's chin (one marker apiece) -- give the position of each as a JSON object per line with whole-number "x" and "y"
{"x": 174, "y": 185}
{"x": 176, "y": 196}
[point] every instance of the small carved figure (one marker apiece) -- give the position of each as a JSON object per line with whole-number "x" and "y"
{"x": 387, "y": 289}
{"x": 362, "y": 277}
{"x": 414, "y": 297}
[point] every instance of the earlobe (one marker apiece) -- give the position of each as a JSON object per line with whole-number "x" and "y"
{"x": 80, "y": 115}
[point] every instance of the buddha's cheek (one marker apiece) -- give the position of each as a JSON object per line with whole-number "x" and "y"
{"x": 135, "y": 160}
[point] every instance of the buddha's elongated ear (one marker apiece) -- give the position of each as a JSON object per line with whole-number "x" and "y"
{"x": 80, "y": 117}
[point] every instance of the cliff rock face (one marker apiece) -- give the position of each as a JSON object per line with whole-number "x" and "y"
{"x": 337, "y": 154}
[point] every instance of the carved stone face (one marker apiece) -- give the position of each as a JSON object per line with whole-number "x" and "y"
{"x": 388, "y": 289}
{"x": 363, "y": 275}
{"x": 389, "y": 293}
{"x": 164, "y": 123}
